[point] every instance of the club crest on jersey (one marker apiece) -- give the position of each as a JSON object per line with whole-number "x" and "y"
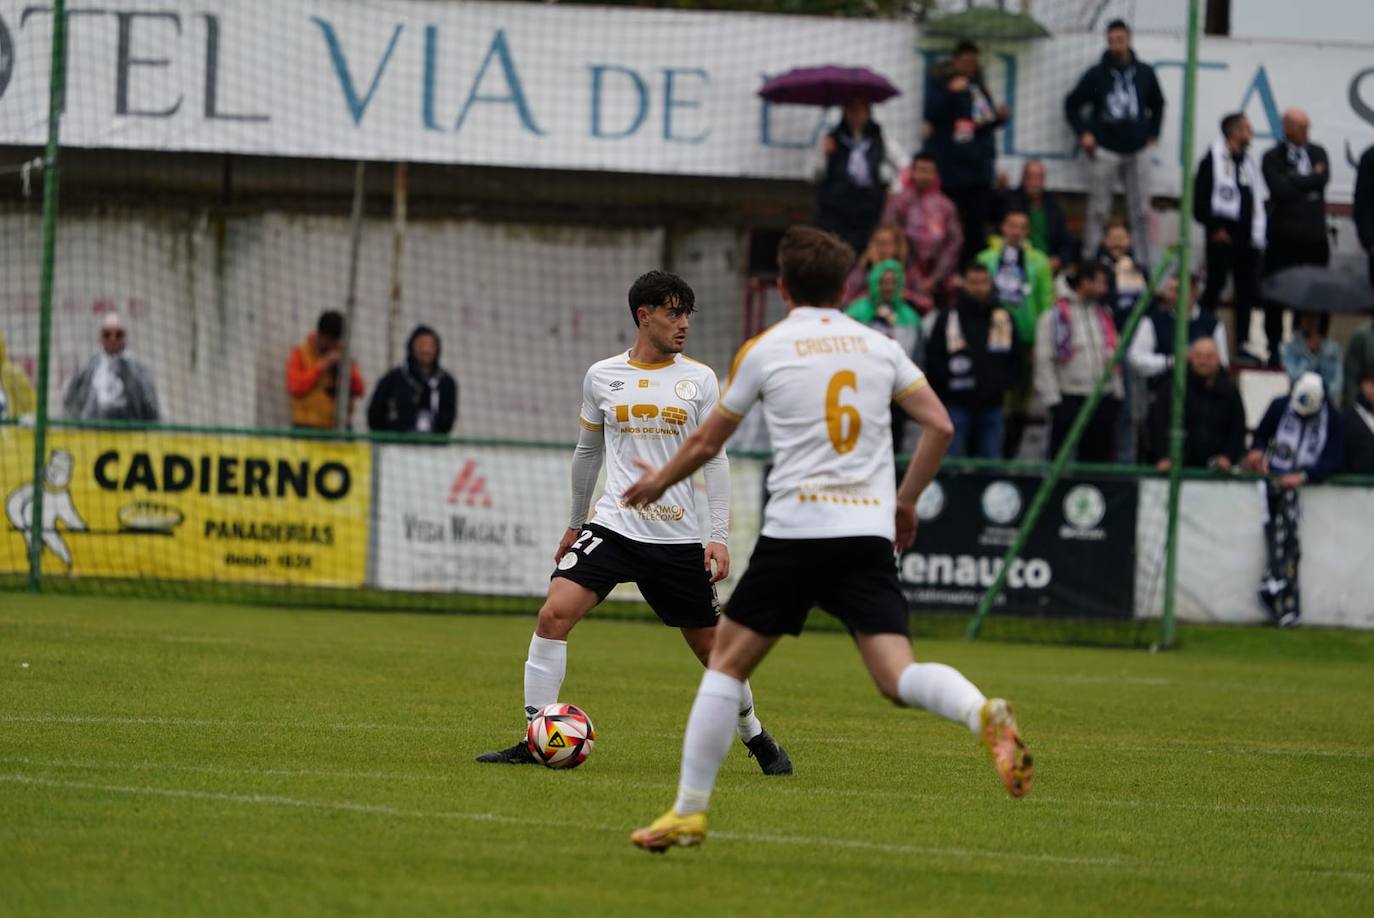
{"x": 685, "y": 389}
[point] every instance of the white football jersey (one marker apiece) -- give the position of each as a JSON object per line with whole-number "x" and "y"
{"x": 646, "y": 411}
{"x": 827, "y": 384}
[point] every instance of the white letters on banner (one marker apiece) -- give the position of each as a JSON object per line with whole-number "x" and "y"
{"x": 537, "y": 86}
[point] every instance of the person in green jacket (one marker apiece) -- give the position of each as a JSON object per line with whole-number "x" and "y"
{"x": 1021, "y": 274}
{"x": 1024, "y": 284}
{"x": 885, "y": 310}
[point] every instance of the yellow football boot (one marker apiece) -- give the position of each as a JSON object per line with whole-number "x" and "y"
{"x": 671, "y": 829}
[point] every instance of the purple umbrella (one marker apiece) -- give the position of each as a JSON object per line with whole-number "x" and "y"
{"x": 829, "y": 85}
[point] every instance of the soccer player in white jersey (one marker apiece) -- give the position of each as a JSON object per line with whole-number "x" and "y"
{"x": 637, "y": 406}
{"x": 833, "y": 516}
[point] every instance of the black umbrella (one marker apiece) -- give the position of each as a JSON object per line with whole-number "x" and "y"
{"x": 1308, "y": 288}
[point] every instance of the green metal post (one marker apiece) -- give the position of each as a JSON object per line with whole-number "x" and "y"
{"x": 1061, "y": 459}
{"x": 1185, "y": 301}
{"x": 56, "y": 90}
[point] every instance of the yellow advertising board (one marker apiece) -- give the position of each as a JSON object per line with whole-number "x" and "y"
{"x": 189, "y": 507}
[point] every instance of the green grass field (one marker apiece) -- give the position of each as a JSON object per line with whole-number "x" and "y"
{"x": 168, "y": 758}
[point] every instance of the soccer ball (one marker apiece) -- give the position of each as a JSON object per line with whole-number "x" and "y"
{"x": 561, "y": 736}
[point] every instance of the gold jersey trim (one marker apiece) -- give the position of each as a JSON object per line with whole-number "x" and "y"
{"x": 907, "y": 390}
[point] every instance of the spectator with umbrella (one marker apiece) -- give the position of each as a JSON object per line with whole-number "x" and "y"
{"x": 1311, "y": 351}
{"x": 1310, "y": 289}
{"x": 963, "y": 116}
{"x": 858, "y": 161}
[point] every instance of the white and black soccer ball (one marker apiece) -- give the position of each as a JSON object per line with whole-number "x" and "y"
{"x": 561, "y": 735}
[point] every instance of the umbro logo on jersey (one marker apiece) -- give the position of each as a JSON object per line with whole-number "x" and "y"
{"x": 469, "y": 487}
{"x": 618, "y": 384}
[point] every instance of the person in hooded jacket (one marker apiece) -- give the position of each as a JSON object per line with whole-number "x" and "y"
{"x": 963, "y": 118}
{"x": 1117, "y": 110}
{"x": 1300, "y": 439}
{"x": 933, "y": 236}
{"x": 419, "y": 396}
{"x": 885, "y": 310}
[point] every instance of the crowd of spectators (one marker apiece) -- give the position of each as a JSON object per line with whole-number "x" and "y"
{"x": 985, "y": 285}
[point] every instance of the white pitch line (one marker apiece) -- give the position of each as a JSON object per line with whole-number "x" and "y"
{"x": 1164, "y": 749}
{"x": 770, "y": 788}
{"x": 791, "y": 840}
{"x": 203, "y": 722}
{"x": 383, "y": 810}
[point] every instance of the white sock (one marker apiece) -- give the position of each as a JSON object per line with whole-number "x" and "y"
{"x": 544, "y": 671}
{"x": 748, "y": 725}
{"x": 707, "y": 740}
{"x": 942, "y": 690}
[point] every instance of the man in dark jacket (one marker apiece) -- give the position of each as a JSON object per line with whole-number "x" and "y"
{"x": 419, "y": 396}
{"x": 1295, "y": 173}
{"x": 1049, "y": 227}
{"x": 1116, "y": 110}
{"x": 1228, "y": 200}
{"x": 971, "y": 363}
{"x": 1213, "y": 416}
{"x": 1359, "y": 428}
{"x": 1363, "y": 209}
{"x": 962, "y": 118}
{"x": 853, "y": 185}
{"x": 1300, "y": 439}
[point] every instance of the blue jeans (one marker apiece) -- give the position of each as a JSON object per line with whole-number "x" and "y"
{"x": 977, "y": 432}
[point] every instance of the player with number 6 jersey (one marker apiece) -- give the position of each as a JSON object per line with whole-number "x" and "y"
{"x": 638, "y": 406}
{"x": 834, "y": 515}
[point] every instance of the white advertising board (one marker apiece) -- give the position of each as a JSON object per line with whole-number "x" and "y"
{"x": 468, "y": 519}
{"x": 1221, "y": 553}
{"x": 486, "y": 519}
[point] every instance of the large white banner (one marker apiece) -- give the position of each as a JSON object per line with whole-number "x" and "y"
{"x": 1221, "y": 553}
{"x": 521, "y": 84}
{"x": 538, "y": 86}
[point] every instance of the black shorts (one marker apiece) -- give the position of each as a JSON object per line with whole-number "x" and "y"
{"x": 854, "y": 578}
{"x": 672, "y": 577}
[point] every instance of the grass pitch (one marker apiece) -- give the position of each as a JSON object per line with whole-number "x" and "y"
{"x": 164, "y": 758}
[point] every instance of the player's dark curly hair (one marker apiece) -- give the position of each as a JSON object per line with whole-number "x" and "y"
{"x": 660, "y": 288}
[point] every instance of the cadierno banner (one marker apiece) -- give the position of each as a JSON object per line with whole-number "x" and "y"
{"x": 189, "y": 507}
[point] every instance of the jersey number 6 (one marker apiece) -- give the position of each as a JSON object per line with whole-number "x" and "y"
{"x": 836, "y": 414}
